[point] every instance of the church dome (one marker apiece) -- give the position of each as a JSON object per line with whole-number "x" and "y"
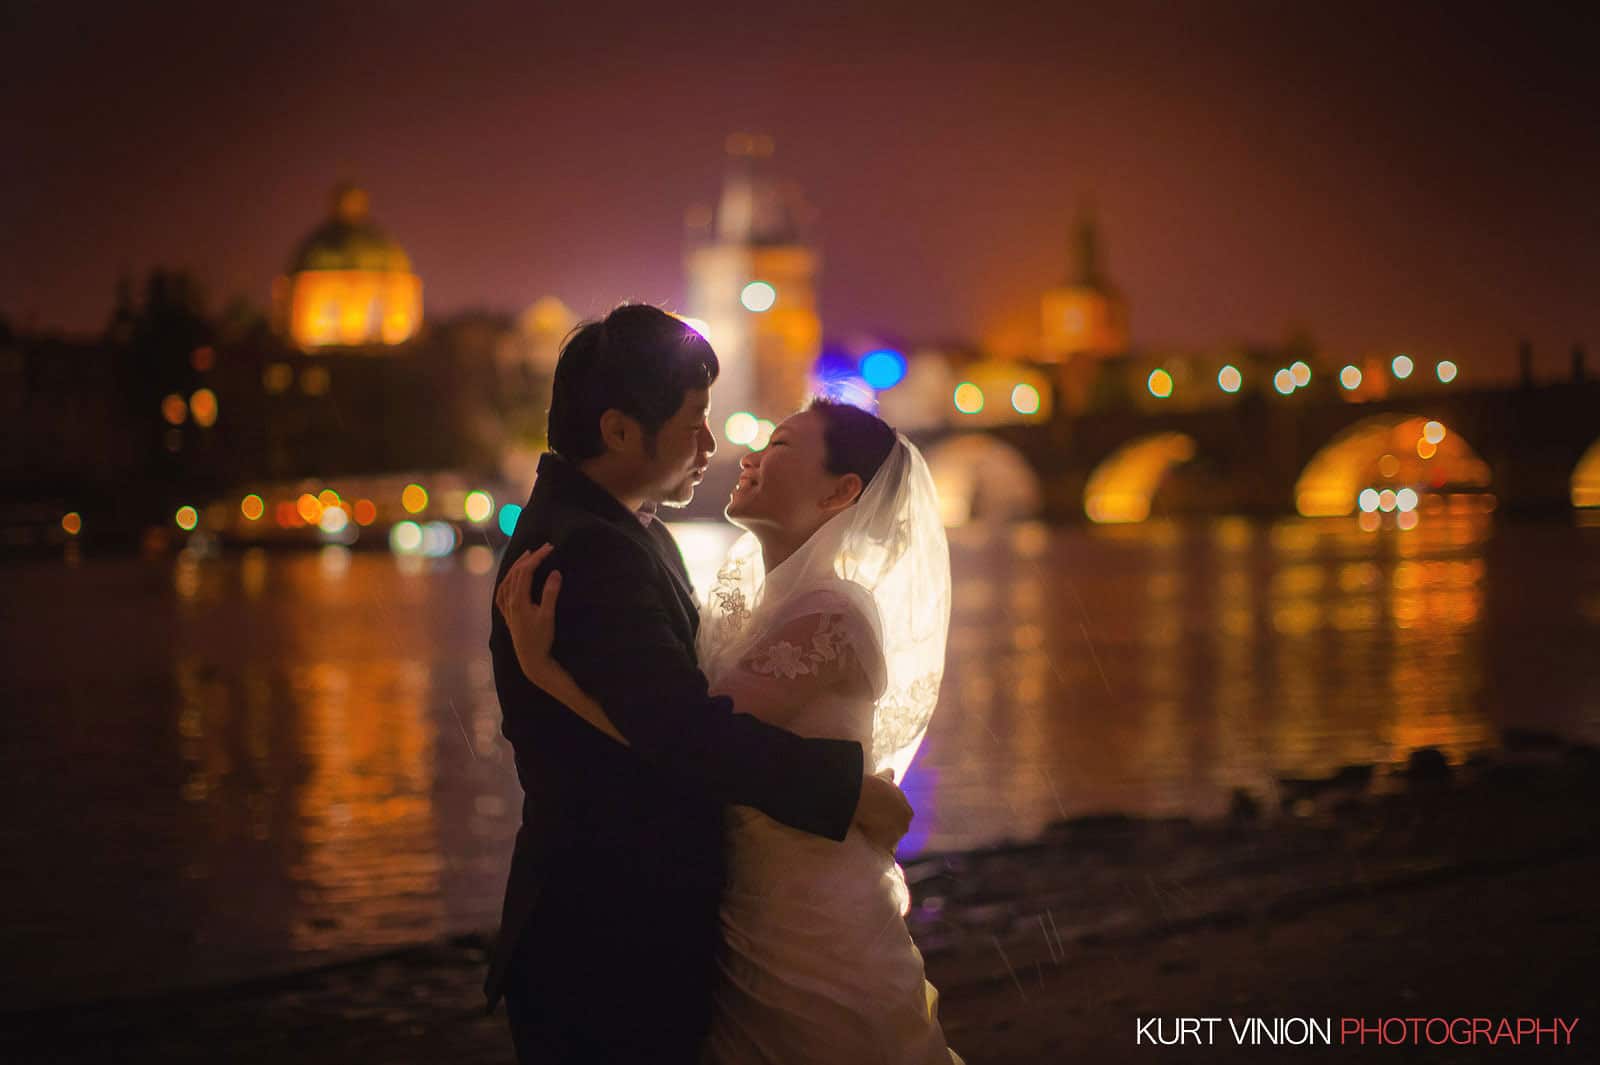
{"x": 349, "y": 284}
{"x": 350, "y": 240}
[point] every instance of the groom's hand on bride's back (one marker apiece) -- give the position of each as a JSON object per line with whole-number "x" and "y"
{"x": 883, "y": 813}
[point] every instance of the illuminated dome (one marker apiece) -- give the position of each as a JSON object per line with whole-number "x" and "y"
{"x": 349, "y": 283}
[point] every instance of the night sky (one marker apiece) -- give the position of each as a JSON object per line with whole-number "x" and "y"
{"x": 1424, "y": 182}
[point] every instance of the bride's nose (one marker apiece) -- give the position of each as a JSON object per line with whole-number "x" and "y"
{"x": 750, "y": 460}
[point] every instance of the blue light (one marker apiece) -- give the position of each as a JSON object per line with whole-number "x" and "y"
{"x": 508, "y": 518}
{"x": 883, "y": 369}
{"x": 832, "y": 366}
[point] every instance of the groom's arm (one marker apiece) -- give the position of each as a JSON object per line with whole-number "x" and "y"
{"x": 614, "y": 635}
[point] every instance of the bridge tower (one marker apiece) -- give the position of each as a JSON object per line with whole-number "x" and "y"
{"x": 1083, "y": 321}
{"x": 752, "y": 280}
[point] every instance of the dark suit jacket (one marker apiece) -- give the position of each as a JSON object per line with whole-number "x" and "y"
{"x": 631, "y": 837}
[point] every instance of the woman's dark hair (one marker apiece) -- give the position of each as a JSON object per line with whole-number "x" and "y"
{"x": 853, "y": 441}
{"x": 639, "y": 360}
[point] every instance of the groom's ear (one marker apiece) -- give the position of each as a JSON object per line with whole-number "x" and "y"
{"x": 616, "y": 428}
{"x": 845, "y": 492}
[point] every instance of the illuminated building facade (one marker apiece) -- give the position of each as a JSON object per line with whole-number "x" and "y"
{"x": 1083, "y": 321}
{"x": 349, "y": 284}
{"x": 752, "y": 284}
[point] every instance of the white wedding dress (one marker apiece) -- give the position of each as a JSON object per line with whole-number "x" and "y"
{"x": 817, "y": 965}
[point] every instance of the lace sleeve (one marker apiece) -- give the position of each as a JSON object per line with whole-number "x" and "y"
{"x": 817, "y": 647}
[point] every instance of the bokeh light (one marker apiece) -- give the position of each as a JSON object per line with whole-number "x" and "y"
{"x": 1283, "y": 381}
{"x": 203, "y": 405}
{"x": 414, "y": 498}
{"x": 174, "y": 409}
{"x": 1387, "y": 500}
{"x": 1025, "y": 399}
{"x": 741, "y": 428}
{"x": 1402, "y": 366}
{"x": 508, "y": 517}
{"x": 764, "y": 429}
{"x": 1229, "y": 379}
{"x": 187, "y": 518}
{"x": 1406, "y": 520}
{"x": 310, "y": 508}
{"x": 71, "y": 523}
{"x": 1350, "y": 378}
{"x": 1159, "y": 383}
{"x": 252, "y": 507}
{"x": 479, "y": 507}
{"x": 758, "y": 296}
{"x": 1368, "y": 500}
{"x": 365, "y": 512}
{"x": 438, "y": 539}
{"x": 1433, "y": 432}
{"x": 1426, "y": 450}
{"x": 405, "y": 538}
{"x": 1301, "y": 372}
{"x": 334, "y": 521}
{"x": 968, "y": 398}
{"x": 883, "y": 369}
{"x": 1406, "y": 499}
{"x": 1388, "y": 465}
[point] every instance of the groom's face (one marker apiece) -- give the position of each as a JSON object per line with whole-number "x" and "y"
{"x": 683, "y": 447}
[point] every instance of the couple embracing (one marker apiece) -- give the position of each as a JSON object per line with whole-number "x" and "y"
{"x": 705, "y": 867}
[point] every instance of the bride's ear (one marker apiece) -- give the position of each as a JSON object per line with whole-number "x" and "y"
{"x": 845, "y": 492}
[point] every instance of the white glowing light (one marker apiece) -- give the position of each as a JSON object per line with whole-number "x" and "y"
{"x": 741, "y": 428}
{"x": 758, "y": 296}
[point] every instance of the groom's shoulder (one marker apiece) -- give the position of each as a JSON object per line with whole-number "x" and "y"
{"x": 591, "y": 542}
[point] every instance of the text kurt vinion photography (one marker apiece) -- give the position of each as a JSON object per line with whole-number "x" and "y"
{"x": 1355, "y": 1031}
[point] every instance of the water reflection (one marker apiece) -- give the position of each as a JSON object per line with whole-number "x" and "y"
{"x": 285, "y": 757}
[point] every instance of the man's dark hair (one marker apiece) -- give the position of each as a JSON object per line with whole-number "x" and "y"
{"x": 639, "y": 360}
{"x": 853, "y": 441}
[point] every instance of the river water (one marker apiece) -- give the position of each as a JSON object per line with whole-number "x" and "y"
{"x": 223, "y": 767}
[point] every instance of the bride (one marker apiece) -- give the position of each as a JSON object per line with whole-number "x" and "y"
{"x": 829, "y": 618}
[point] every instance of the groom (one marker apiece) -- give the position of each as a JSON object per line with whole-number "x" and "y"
{"x": 607, "y": 945}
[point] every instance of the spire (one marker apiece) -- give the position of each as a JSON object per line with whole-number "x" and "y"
{"x": 1086, "y": 249}
{"x": 755, "y": 207}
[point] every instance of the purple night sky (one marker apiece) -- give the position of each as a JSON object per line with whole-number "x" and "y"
{"x": 1422, "y": 182}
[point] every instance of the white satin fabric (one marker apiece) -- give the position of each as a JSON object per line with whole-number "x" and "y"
{"x": 817, "y": 966}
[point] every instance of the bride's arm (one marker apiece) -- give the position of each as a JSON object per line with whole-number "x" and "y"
{"x": 533, "y": 630}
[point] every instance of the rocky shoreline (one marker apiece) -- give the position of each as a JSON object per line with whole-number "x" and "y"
{"x": 1419, "y": 890}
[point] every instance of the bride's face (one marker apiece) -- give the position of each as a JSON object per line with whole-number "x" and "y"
{"x": 787, "y": 485}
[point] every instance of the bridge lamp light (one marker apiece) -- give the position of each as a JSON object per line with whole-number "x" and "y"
{"x": 1446, "y": 370}
{"x": 968, "y": 398}
{"x": 478, "y": 506}
{"x": 1025, "y": 399}
{"x": 741, "y": 428}
{"x": 1350, "y": 378}
{"x": 1160, "y": 384}
{"x": 758, "y": 296}
{"x": 1402, "y": 366}
{"x": 764, "y": 430}
{"x": 1434, "y": 433}
{"x": 883, "y": 369}
{"x": 1387, "y": 500}
{"x": 1406, "y": 500}
{"x": 1426, "y": 450}
{"x": 1229, "y": 379}
{"x": 1283, "y": 381}
{"x": 1368, "y": 500}
{"x": 187, "y": 518}
{"x": 1301, "y": 373}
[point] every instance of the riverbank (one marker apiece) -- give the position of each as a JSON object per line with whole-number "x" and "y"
{"x": 1418, "y": 891}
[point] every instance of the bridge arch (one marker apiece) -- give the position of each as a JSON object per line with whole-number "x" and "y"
{"x": 982, "y": 478}
{"x": 1387, "y": 450}
{"x": 1121, "y": 487}
{"x": 1586, "y": 478}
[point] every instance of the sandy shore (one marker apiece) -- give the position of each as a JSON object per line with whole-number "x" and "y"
{"x": 1420, "y": 891}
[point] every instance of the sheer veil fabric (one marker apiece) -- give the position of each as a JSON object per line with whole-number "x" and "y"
{"x": 817, "y": 964}
{"x": 886, "y": 557}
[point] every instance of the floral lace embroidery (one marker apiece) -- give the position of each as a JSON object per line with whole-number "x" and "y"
{"x": 902, "y": 716}
{"x": 789, "y": 660}
{"x": 728, "y": 597}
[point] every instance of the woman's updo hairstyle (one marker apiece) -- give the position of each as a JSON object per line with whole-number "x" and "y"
{"x": 853, "y": 441}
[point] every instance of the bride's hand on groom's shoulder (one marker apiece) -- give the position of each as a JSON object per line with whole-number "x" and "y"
{"x": 532, "y": 625}
{"x": 883, "y": 813}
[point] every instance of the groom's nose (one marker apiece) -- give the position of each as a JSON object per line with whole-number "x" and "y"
{"x": 708, "y": 439}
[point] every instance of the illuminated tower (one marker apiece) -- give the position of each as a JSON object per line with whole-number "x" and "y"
{"x": 1084, "y": 320}
{"x": 349, "y": 284}
{"x": 752, "y": 281}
